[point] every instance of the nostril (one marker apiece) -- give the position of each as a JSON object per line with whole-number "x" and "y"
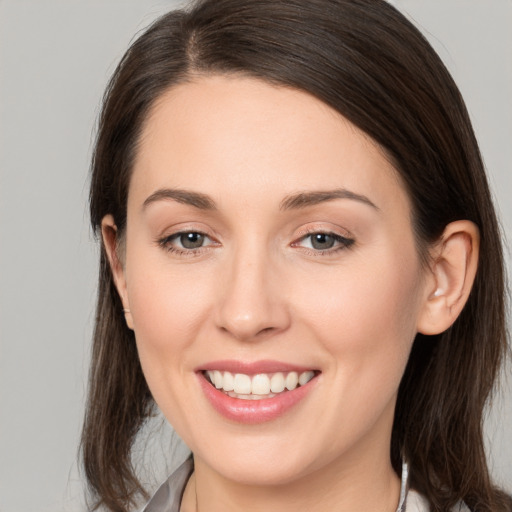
{"x": 248, "y": 330}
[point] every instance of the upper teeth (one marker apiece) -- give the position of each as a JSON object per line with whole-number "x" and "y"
{"x": 260, "y": 384}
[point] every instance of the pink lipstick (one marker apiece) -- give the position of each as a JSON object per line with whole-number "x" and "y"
{"x": 255, "y": 392}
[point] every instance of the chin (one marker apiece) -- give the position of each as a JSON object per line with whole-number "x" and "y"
{"x": 261, "y": 460}
{"x": 268, "y": 471}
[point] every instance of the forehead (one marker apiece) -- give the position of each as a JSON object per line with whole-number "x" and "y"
{"x": 222, "y": 134}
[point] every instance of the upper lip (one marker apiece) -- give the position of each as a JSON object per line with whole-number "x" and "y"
{"x": 252, "y": 368}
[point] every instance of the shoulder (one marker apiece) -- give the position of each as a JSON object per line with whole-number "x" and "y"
{"x": 417, "y": 503}
{"x": 168, "y": 496}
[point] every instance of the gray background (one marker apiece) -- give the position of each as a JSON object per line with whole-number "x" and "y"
{"x": 55, "y": 58}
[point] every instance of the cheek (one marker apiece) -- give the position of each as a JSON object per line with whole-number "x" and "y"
{"x": 156, "y": 305}
{"x": 365, "y": 323}
{"x": 168, "y": 309}
{"x": 366, "y": 314}
{"x": 168, "y": 312}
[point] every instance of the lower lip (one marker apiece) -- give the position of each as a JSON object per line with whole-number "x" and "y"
{"x": 253, "y": 411}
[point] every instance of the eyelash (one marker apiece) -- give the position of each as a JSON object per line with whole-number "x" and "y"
{"x": 343, "y": 243}
{"x": 166, "y": 243}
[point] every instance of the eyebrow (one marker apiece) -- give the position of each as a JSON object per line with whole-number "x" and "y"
{"x": 291, "y": 202}
{"x": 196, "y": 199}
{"x": 305, "y": 199}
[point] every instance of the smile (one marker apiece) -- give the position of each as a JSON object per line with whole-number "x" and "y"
{"x": 257, "y": 387}
{"x": 257, "y": 392}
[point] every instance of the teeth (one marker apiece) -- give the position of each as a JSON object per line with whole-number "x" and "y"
{"x": 242, "y": 384}
{"x": 277, "y": 383}
{"x": 305, "y": 377}
{"x": 250, "y": 397}
{"x": 258, "y": 386}
{"x": 229, "y": 382}
{"x": 217, "y": 379}
{"x": 292, "y": 379}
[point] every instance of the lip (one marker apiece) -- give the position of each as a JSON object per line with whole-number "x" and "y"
{"x": 252, "y": 368}
{"x": 253, "y": 411}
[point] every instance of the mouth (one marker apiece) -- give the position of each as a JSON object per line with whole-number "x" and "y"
{"x": 260, "y": 386}
{"x": 256, "y": 392}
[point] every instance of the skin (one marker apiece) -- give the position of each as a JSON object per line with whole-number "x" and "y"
{"x": 257, "y": 289}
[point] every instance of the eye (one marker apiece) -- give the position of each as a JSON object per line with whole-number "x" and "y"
{"x": 190, "y": 240}
{"x": 324, "y": 242}
{"x": 321, "y": 241}
{"x": 186, "y": 242}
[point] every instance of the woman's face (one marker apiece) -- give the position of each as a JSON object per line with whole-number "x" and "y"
{"x": 266, "y": 235}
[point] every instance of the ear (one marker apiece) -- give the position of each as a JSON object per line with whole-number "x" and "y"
{"x": 110, "y": 238}
{"x": 450, "y": 277}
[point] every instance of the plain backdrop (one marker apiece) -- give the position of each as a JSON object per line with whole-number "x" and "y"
{"x": 55, "y": 59}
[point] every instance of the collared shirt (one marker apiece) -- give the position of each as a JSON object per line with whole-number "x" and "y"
{"x": 168, "y": 496}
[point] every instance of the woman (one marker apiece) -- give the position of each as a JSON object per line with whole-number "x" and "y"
{"x": 301, "y": 265}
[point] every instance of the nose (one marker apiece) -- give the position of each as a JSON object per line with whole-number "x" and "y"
{"x": 252, "y": 300}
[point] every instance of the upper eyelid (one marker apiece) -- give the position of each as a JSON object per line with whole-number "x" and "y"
{"x": 342, "y": 235}
{"x": 336, "y": 236}
{"x": 338, "y": 231}
{"x": 171, "y": 231}
{"x": 177, "y": 234}
{"x": 312, "y": 229}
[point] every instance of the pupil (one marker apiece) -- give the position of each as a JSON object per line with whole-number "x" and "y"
{"x": 322, "y": 241}
{"x": 192, "y": 240}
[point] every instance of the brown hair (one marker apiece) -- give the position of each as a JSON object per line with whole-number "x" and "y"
{"x": 364, "y": 59}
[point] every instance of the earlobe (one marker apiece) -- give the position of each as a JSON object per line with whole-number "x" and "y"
{"x": 451, "y": 276}
{"x": 109, "y": 233}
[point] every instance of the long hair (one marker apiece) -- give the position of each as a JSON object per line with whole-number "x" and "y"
{"x": 365, "y": 60}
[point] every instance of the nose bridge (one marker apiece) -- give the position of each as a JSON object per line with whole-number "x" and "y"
{"x": 251, "y": 302}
